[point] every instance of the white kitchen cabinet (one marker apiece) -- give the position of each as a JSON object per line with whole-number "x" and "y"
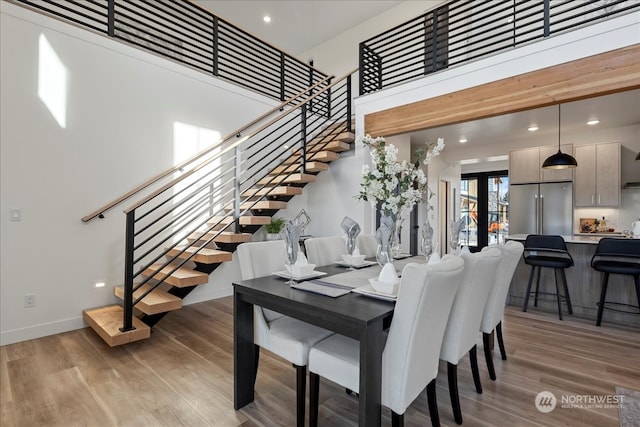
{"x": 597, "y": 177}
{"x": 525, "y": 166}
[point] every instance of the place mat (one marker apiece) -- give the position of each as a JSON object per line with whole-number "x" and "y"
{"x": 318, "y": 287}
{"x": 363, "y": 265}
{"x": 286, "y": 275}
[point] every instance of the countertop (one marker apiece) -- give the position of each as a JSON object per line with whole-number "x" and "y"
{"x": 587, "y": 239}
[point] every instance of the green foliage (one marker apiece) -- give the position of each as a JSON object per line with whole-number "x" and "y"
{"x": 275, "y": 226}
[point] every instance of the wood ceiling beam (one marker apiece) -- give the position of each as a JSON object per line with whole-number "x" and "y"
{"x": 614, "y": 71}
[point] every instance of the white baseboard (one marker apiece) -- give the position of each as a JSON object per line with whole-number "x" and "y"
{"x": 41, "y": 330}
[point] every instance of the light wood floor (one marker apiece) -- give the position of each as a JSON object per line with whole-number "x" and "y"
{"x": 183, "y": 376}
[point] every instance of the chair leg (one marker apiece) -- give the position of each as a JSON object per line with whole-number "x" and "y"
{"x": 566, "y": 291}
{"x": 558, "y": 297}
{"x": 397, "y": 420}
{"x": 537, "y": 286}
{"x": 526, "y": 295}
{"x": 473, "y": 357}
{"x": 603, "y": 294}
{"x": 503, "y": 352}
{"x": 636, "y": 279}
{"x": 488, "y": 354}
{"x": 452, "y": 374}
{"x": 301, "y": 391}
{"x": 432, "y": 400}
{"x": 314, "y": 393}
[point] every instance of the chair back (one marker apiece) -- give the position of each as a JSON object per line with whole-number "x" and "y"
{"x": 410, "y": 357}
{"x": 325, "y": 250}
{"x": 468, "y": 306}
{"x": 620, "y": 256}
{"x": 541, "y": 249}
{"x": 494, "y": 309}
{"x": 259, "y": 259}
{"x": 367, "y": 245}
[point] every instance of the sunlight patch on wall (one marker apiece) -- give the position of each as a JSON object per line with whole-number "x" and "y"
{"x": 52, "y": 81}
{"x": 189, "y": 140}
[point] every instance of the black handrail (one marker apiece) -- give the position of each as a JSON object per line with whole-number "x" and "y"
{"x": 186, "y": 214}
{"x": 461, "y": 31}
{"x": 189, "y": 34}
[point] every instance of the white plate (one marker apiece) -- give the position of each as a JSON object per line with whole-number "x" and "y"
{"x": 286, "y": 275}
{"x": 368, "y": 290}
{"x": 362, "y": 265}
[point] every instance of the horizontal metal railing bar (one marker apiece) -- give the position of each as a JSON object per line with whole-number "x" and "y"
{"x": 74, "y": 20}
{"x": 205, "y": 25}
{"x": 196, "y": 157}
{"x": 396, "y": 51}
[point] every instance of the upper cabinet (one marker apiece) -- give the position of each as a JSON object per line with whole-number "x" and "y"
{"x": 525, "y": 166}
{"x": 597, "y": 177}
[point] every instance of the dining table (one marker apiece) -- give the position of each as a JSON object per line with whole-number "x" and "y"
{"x": 357, "y": 316}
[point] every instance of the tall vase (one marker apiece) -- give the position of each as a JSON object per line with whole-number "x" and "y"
{"x": 384, "y": 237}
{"x": 396, "y": 245}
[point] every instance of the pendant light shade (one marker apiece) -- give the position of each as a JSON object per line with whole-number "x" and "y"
{"x": 559, "y": 160}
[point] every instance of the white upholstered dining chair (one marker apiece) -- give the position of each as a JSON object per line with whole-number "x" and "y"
{"x": 411, "y": 352}
{"x": 461, "y": 334}
{"x": 289, "y": 338}
{"x": 494, "y": 309}
{"x": 325, "y": 250}
{"x": 367, "y": 245}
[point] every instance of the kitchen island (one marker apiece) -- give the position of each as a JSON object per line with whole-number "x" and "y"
{"x": 584, "y": 284}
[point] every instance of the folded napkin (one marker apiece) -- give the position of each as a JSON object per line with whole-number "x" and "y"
{"x": 302, "y": 260}
{"x": 434, "y": 258}
{"x": 465, "y": 250}
{"x": 356, "y": 251}
{"x": 387, "y": 280}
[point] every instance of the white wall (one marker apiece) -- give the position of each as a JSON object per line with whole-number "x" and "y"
{"x": 120, "y": 112}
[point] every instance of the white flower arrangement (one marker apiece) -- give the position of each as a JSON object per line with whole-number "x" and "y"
{"x": 397, "y": 186}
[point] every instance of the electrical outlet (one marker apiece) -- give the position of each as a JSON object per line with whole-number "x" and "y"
{"x": 29, "y": 300}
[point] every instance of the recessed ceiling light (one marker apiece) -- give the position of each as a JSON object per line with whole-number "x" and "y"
{"x": 593, "y": 122}
{"x": 462, "y": 140}
{"x": 266, "y": 19}
{"x": 532, "y": 128}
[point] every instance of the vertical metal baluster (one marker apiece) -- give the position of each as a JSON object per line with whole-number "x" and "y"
{"x": 127, "y": 321}
{"x": 303, "y": 138}
{"x": 111, "y": 18}
{"x": 236, "y": 178}
{"x": 349, "y": 128}
{"x": 547, "y": 14}
{"x": 214, "y": 36}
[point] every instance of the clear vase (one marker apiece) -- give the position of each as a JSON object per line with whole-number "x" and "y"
{"x": 396, "y": 244}
{"x": 384, "y": 236}
{"x": 427, "y": 239}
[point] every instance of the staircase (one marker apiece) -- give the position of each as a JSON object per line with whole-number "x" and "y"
{"x": 161, "y": 286}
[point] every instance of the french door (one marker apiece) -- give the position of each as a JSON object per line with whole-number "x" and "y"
{"x": 484, "y": 206}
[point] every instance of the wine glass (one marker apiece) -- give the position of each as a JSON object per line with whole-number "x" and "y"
{"x": 351, "y": 247}
{"x": 291, "y": 256}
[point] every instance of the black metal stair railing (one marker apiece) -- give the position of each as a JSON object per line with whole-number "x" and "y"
{"x": 184, "y": 32}
{"x": 188, "y": 214}
{"x": 461, "y": 31}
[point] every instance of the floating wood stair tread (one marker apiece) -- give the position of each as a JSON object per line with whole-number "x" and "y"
{"x": 204, "y": 255}
{"x": 107, "y": 321}
{"x": 229, "y": 237}
{"x": 282, "y": 191}
{"x": 295, "y": 178}
{"x": 181, "y": 278}
{"x": 319, "y": 156}
{"x": 312, "y": 167}
{"x": 260, "y": 205}
{"x": 158, "y": 300}
{"x": 244, "y": 220}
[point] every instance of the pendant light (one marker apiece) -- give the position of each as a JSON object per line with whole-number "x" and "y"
{"x": 559, "y": 160}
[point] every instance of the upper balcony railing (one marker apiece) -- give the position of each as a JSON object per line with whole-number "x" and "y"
{"x": 462, "y": 31}
{"x": 189, "y": 34}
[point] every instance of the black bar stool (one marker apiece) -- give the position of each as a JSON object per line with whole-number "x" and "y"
{"x": 617, "y": 256}
{"x": 547, "y": 251}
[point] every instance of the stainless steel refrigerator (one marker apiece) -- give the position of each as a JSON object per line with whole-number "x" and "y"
{"x": 545, "y": 208}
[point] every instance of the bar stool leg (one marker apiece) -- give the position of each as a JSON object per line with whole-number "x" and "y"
{"x": 526, "y": 296}
{"x": 537, "y": 286}
{"x": 603, "y": 294}
{"x": 558, "y": 296}
{"x": 566, "y": 291}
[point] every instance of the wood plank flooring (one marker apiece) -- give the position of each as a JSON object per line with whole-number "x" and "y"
{"x": 183, "y": 376}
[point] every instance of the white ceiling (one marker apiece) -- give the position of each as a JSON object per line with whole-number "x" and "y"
{"x": 299, "y": 25}
{"x": 296, "y": 25}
